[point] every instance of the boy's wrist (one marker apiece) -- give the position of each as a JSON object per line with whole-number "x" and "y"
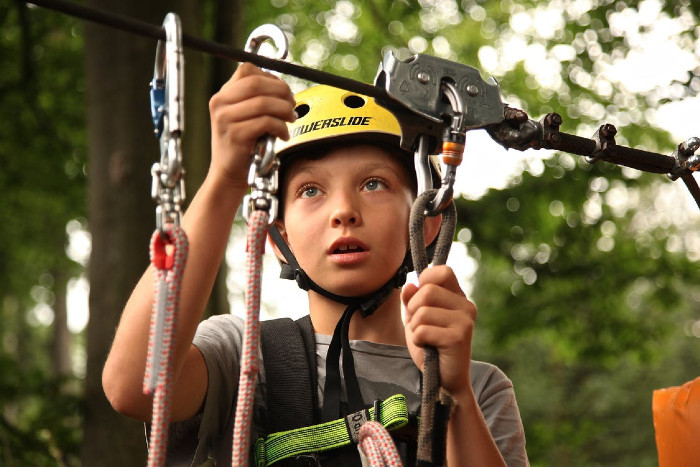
{"x": 464, "y": 396}
{"x": 225, "y": 185}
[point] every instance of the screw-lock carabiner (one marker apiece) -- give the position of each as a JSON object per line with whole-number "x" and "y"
{"x": 168, "y": 114}
{"x": 452, "y": 149}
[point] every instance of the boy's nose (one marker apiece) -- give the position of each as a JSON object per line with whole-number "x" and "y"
{"x": 341, "y": 219}
{"x": 345, "y": 213}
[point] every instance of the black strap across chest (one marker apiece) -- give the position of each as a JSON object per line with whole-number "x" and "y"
{"x": 291, "y": 388}
{"x": 289, "y": 356}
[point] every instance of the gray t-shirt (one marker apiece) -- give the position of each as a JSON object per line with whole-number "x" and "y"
{"x": 382, "y": 371}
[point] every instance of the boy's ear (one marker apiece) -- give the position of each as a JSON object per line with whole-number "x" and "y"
{"x": 283, "y": 232}
{"x": 431, "y": 228}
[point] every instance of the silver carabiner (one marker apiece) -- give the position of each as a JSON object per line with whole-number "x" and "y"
{"x": 452, "y": 149}
{"x": 168, "y": 114}
{"x": 262, "y": 176}
{"x": 264, "y": 150}
{"x": 421, "y": 162}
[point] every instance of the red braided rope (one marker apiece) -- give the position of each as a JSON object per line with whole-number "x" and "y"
{"x": 168, "y": 255}
{"x": 376, "y": 444}
{"x": 257, "y": 233}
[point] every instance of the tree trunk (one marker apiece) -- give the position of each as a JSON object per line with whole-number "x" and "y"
{"x": 121, "y": 149}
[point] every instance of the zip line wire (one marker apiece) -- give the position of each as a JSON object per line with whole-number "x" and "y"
{"x": 142, "y": 28}
{"x": 621, "y": 155}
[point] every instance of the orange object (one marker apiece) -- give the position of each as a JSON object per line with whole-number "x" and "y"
{"x": 452, "y": 152}
{"x": 677, "y": 424}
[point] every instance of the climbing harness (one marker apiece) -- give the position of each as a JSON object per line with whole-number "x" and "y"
{"x": 169, "y": 242}
{"x": 261, "y": 207}
{"x": 293, "y": 433}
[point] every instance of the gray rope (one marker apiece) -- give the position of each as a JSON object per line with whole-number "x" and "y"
{"x": 435, "y": 403}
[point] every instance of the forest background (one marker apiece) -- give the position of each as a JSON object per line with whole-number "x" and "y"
{"x": 586, "y": 276}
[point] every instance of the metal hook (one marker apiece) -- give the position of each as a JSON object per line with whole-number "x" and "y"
{"x": 263, "y": 177}
{"x": 421, "y": 162}
{"x": 452, "y": 149}
{"x": 168, "y": 114}
{"x": 167, "y": 86}
{"x": 264, "y": 150}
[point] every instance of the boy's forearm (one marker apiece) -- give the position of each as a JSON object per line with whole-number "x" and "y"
{"x": 207, "y": 224}
{"x": 469, "y": 441}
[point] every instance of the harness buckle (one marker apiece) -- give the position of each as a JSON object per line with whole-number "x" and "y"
{"x": 354, "y": 422}
{"x": 310, "y": 460}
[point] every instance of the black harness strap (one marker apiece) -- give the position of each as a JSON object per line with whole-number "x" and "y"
{"x": 289, "y": 356}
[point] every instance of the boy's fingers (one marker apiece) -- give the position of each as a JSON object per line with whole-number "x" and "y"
{"x": 408, "y": 291}
{"x": 440, "y": 275}
{"x": 433, "y": 295}
{"x": 435, "y": 316}
{"x": 246, "y": 86}
{"x": 256, "y": 107}
{"x": 439, "y": 337}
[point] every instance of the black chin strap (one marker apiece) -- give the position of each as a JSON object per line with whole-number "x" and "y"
{"x": 367, "y": 304}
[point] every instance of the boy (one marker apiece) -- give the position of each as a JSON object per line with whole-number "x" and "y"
{"x": 346, "y": 192}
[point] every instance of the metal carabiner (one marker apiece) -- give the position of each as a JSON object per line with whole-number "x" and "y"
{"x": 167, "y": 86}
{"x": 265, "y": 148}
{"x": 262, "y": 177}
{"x": 421, "y": 162}
{"x": 452, "y": 149}
{"x": 168, "y": 114}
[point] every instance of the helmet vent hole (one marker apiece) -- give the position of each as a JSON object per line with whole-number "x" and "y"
{"x": 301, "y": 110}
{"x": 353, "y": 101}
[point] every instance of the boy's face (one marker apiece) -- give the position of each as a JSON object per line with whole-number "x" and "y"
{"x": 346, "y": 217}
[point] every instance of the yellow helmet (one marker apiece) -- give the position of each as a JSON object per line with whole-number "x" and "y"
{"x": 328, "y": 114}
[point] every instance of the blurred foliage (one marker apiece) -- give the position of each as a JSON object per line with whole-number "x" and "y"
{"x": 587, "y": 315}
{"x": 587, "y": 286}
{"x": 42, "y": 185}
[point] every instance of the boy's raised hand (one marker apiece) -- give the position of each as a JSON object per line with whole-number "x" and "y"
{"x": 251, "y": 104}
{"x": 439, "y": 314}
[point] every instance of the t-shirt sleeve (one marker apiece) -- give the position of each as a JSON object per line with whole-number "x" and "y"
{"x": 219, "y": 339}
{"x": 496, "y": 398}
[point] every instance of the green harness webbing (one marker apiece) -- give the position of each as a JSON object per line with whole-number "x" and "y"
{"x": 291, "y": 419}
{"x": 325, "y": 436}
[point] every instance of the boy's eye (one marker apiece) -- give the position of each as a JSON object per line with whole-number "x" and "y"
{"x": 308, "y": 192}
{"x": 374, "y": 184}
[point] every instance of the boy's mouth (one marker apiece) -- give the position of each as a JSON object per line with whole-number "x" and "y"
{"x": 350, "y": 248}
{"x": 346, "y": 246}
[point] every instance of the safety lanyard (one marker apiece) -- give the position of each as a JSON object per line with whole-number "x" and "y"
{"x": 169, "y": 244}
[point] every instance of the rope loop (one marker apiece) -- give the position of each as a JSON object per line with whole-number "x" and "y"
{"x": 169, "y": 249}
{"x": 432, "y": 434}
{"x": 377, "y": 446}
{"x": 257, "y": 234}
